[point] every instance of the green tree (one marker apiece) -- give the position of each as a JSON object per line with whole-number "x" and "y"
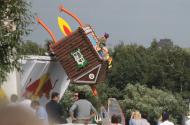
{"x": 15, "y": 17}
{"x": 169, "y": 68}
{"x": 153, "y": 101}
{"x": 164, "y": 66}
{"x": 129, "y": 64}
{"x": 32, "y": 48}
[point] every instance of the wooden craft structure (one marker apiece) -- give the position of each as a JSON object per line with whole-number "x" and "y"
{"x": 77, "y": 52}
{"x": 78, "y": 56}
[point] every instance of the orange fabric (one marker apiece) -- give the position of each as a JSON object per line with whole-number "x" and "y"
{"x": 94, "y": 90}
{"x": 47, "y": 29}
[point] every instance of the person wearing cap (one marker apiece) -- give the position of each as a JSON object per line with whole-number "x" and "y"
{"x": 165, "y": 119}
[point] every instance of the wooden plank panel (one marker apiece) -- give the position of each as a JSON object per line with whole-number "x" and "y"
{"x": 77, "y": 40}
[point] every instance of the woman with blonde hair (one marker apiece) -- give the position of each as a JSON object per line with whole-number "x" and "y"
{"x": 135, "y": 118}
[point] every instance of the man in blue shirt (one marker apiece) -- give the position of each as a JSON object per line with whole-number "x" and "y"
{"x": 40, "y": 112}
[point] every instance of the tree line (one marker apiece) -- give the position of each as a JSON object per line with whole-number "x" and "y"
{"x": 163, "y": 66}
{"x": 151, "y": 79}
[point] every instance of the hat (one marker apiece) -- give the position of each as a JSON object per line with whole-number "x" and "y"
{"x": 165, "y": 116}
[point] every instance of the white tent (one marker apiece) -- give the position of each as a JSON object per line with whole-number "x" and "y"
{"x": 32, "y": 69}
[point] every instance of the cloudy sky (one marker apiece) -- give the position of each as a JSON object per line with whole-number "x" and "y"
{"x": 130, "y": 21}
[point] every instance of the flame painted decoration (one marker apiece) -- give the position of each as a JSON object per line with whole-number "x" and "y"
{"x": 64, "y": 26}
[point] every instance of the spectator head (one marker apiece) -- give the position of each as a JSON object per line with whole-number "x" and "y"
{"x": 144, "y": 115}
{"x": 106, "y": 35}
{"x": 137, "y": 115}
{"x": 115, "y": 119}
{"x": 81, "y": 95}
{"x": 55, "y": 96}
{"x": 44, "y": 94}
{"x": 76, "y": 96}
{"x": 35, "y": 104}
{"x": 28, "y": 95}
{"x": 165, "y": 116}
{"x": 17, "y": 115}
{"x": 14, "y": 98}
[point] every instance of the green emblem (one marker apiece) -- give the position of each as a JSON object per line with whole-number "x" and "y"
{"x": 79, "y": 58}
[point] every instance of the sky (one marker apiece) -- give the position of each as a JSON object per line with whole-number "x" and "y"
{"x": 129, "y": 21}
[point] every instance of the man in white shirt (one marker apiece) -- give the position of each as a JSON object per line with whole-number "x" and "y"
{"x": 26, "y": 103}
{"x": 187, "y": 122}
{"x": 144, "y": 120}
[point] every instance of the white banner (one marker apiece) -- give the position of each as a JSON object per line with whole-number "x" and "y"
{"x": 39, "y": 71}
